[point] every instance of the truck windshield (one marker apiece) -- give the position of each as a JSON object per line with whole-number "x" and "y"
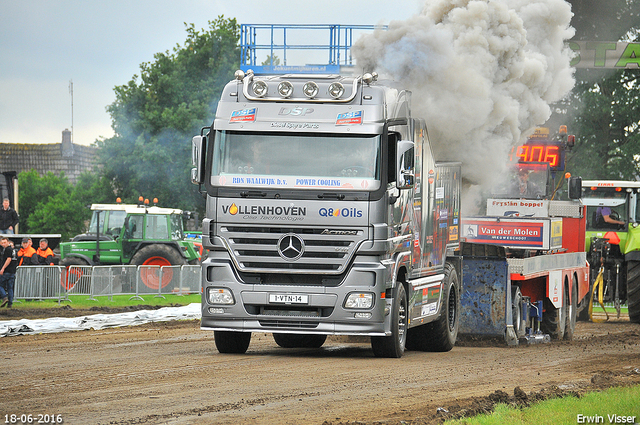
{"x": 296, "y": 160}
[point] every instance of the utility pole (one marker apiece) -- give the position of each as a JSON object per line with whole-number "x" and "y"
{"x": 71, "y": 93}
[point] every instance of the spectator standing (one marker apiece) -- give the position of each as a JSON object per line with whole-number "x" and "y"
{"x": 8, "y": 266}
{"x": 8, "y": 218}
{"x": 27, "y": 255}
{"x": 44, "y": 254}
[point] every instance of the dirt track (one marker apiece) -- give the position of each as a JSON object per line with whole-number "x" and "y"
{"x": 171, "y": 373}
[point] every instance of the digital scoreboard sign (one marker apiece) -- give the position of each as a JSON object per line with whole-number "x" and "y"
{"x": 540, "y": 147}
{"x": 538, "y": 151}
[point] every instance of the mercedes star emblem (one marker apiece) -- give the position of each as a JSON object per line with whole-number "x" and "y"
{"x": 290, "y": 247}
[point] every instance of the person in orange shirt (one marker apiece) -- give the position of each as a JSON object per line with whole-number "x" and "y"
{"x": 44, "y": 255}
{"x": 26, "y": 255}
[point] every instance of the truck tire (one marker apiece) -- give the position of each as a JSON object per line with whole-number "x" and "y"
{"x": 572, "y": 309}
{"x": 444, "y": 331}
{"x": 393, "y": 345}
{"x": 229, "y": 342}
{"x": 554, "y": 319}
{"x": 299, "y": 341}
{"x": 633, "y": 290}
{"x": 441, "y": 334}
{"x": 157, "y": 255}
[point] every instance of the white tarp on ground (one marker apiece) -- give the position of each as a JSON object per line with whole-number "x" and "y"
{"x": 98, "y": 321}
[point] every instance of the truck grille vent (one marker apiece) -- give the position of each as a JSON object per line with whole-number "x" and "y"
{"x": 288, "y": 324}
{"x": 324, "y": 250}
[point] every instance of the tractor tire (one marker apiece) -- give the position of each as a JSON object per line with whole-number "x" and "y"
{"x": 441, "y": 334}
{"x": 572, "y": 307}
{"x": 157, "y": 255}
{"x": 70, "y": 277}
{"x": 554, "y": 319}
{"x": 299, "y": 341}
{"x": 633, "y": 290}
{"x": 229, "y": 342}
{"x": 73, "y": 261}
{"x": 392, "y": 346}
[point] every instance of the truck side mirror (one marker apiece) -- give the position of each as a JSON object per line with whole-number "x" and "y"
{"x": 405, "y": 174}
{"x": 575, "y": 187}
{"x": 198, "y": 144}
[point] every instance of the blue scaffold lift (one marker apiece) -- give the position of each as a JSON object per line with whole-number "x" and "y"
{"x": 284, "y": 38}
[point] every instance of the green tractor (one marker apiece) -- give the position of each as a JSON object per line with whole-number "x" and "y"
{"x": 613, "y": 240}
{"x": 132, "y": 234}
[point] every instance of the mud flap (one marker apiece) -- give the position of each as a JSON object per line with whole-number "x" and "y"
{"x": 486, "y": 299}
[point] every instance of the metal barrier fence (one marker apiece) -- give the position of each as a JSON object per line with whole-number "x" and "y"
{"x": 57, "y": 282}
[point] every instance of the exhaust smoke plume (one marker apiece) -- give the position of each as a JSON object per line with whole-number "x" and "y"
{"x": 482, "y": 73}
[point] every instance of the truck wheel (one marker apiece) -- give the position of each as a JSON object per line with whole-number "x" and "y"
{"x": 157, "y": 255}
{"x": 572, "y": 306}
{"x": 299, "y": 341}
{"x": 229, "y": 342}
{"x": 393, "y": 345}
{"x": 633, "y": 290}
{"x": 441, "y": 334}
{"x": 554, "y": 319}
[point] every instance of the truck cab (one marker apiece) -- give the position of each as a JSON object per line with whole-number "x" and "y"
{"x": 327, "y": 214}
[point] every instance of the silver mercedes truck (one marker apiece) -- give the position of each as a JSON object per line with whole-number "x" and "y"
{"x": 326, "y": 214}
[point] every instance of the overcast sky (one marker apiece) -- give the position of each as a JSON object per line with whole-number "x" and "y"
{"x": 100, "y": 44}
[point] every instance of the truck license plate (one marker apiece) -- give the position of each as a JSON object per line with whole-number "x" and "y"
{"x": 288, "y": 299}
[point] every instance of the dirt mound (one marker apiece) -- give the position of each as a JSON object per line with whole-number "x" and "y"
{"x": 470, "y": 407}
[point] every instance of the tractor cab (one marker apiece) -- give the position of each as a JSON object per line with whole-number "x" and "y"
{"x": 612, "y": 209}
{"x": 132, "y": 234}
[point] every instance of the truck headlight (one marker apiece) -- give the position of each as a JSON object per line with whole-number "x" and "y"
{"x": 360, "y": 300}
{"x": 220, "y": 296}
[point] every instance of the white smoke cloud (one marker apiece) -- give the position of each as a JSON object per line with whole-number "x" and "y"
{"x": 482, "y": 73}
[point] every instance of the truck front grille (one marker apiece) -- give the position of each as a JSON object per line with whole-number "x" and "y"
{"x": 291, "y": 249}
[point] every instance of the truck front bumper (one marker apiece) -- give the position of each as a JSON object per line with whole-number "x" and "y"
{"x": 297, "y": 308}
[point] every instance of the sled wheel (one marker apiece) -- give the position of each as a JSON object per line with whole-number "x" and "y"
{"x": 554, "y": 319}
{"x": 572, "y": 306}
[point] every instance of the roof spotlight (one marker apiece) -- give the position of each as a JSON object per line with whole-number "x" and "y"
{"x": 336, "y": 90}
{"x": 285, "y": 89}
{"x": 310, "y": 89}
{"x": 259, "y": 88}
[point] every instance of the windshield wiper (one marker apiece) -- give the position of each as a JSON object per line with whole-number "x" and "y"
{"x": 338, "y": 196}
{"x": 253, "y": 194}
